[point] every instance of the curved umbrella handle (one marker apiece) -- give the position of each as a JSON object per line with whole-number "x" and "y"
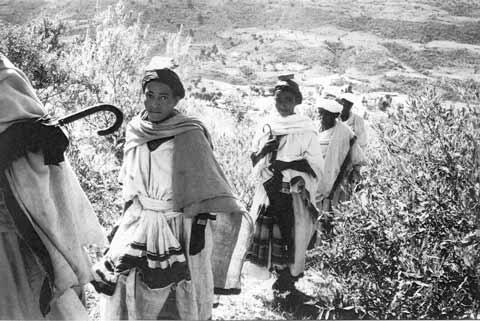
{"x": 92, "y": 110}
{"x": 269, "y": 128}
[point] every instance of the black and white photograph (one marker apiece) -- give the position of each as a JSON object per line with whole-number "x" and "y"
{"x": 239, "y": 160}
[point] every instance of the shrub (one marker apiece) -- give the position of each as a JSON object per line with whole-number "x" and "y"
{"x": 407, "y": 244}
{"x": 36, "y": 49}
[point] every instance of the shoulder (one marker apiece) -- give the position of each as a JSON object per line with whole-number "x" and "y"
{"x": 344, "y": 129}
{"x": 358, "y": 118}
{"x": 181, "y": 119}
{"x": 134, "y": 123}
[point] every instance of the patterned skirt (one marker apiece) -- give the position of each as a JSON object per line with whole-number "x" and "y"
{"x": 152, "y": 273}
{"x": 145, "y": 240}
{"x": 270, "y": 248}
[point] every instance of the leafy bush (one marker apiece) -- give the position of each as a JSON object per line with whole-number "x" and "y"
{"x": 37, "y": 50}
{"x": 408, "y": 243}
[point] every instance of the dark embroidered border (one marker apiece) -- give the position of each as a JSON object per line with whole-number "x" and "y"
{"x": 221, "y": 291}
{"x": 155, "y": 278}
{"x": 154, "y": 256}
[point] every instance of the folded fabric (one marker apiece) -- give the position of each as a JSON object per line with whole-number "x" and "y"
{"x": 33, "y": 135}
{"x": 49, "y": 196}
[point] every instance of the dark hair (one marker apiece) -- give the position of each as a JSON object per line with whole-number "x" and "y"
{"x": 166, "y": 76}
{"x": 346, "y": 103}
{"x": 291, "y": 86}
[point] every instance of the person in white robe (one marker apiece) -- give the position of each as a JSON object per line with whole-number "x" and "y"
{"x": 287, "y": 161}
{"x": 183, "y": 235}
{"x": 342, "y": 157}
{"x": 353, "y": 120}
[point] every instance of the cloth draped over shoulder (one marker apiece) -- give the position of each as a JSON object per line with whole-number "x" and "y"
{"x": 284, "y": 205}
{"x": 300, "y": 142}
{"x": 50, "y": 196}
{"x": 199, "y": 186}
{"x": 337, "y": 150}
{"x": 357, "y": 124}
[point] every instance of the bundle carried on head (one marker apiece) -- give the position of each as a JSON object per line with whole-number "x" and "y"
{"x": 161, "y": 69}
{"x": 286, "y": 83}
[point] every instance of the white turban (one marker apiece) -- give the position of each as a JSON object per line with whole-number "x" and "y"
{"x": 330, "y": 105}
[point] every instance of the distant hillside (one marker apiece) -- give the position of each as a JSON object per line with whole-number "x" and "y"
{"x": 378, "y": 45}
{"x": 422, "y": 21}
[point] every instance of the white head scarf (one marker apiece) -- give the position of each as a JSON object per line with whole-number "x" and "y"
{"x": 330, "y": 105}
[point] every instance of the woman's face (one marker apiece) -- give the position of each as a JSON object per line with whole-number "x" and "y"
{"x": 159, "y": 101}
{"x": 285, "y": 102}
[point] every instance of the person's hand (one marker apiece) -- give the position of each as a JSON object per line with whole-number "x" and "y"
{"x": 104, "y": 278}
{"x": 270, "y": 146}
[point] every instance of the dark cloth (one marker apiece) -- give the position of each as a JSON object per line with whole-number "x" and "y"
{"x": 267, "y": 230}
{"x": 280, "y": 208}
{"x": 278, "y": 214}
{"x": 32, "y": 136}
{"x": 154, "y": 144}
{"x": 197, "y": 238}
{"x": 301, "y": 165}
{"x": 166, "y": 76}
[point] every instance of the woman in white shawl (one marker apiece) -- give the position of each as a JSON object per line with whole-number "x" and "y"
{"x": 288, "y": 165}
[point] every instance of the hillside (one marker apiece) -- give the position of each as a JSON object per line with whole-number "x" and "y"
{"x": 376, "y": 45}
